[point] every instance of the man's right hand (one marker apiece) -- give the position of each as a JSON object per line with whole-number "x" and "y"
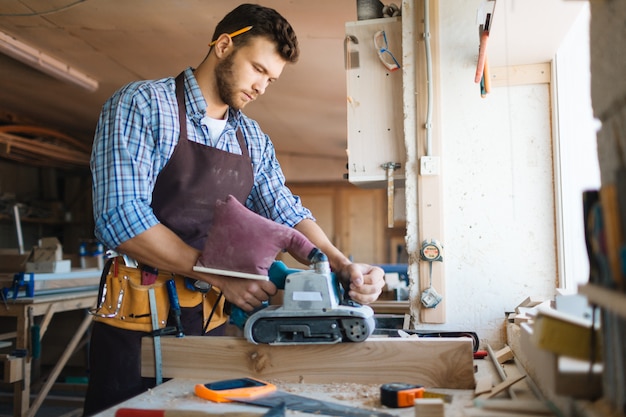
{"x": 246, "y": 294}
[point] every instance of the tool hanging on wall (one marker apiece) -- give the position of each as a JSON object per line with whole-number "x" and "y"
{"x": 431, "y": 251}
{"x": 18, "y": 228}
{"x": 484, "y": 18}
{"x": 390, "y": 167}
{"x": 351, "y": 52}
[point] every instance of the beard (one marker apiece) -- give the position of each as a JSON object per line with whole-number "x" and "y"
{"x": 225, "y": 82}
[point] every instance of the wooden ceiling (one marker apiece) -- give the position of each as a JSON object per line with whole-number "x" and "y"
{"x": 117, "y": 41}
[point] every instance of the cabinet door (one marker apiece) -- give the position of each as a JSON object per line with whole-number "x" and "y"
{"x": 352, "y": 218}
{"x": 375, "y": 111}
{"x": 321, "y": 202}
{"x": 363, "y": 225}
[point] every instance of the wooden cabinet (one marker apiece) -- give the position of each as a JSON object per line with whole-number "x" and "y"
{"x": 375, "y": 109}
{"x": 353, "y": 219}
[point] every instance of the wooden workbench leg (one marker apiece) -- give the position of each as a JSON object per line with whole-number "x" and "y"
{"x": 21, "y": 389}
{"x": 60, "y": 365}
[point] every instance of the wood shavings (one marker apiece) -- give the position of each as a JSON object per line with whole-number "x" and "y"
{"x": 367, "y": 395}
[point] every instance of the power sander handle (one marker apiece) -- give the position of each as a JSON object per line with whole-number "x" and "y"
{"x": 277, "y": 273}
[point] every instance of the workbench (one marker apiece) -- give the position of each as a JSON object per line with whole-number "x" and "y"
{"x": 513, "y": 400}
{"x": 346, "y": 373}
{"x": 178, "y": 394}
{"x": 24, "y": 310}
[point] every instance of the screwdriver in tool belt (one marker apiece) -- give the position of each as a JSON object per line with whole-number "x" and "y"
{"x": 175, "y": 305}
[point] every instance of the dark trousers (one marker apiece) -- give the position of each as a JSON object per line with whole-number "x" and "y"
{"x": 115, "y": 361}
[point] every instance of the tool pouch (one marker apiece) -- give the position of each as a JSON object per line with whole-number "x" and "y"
{"x": 123, "y": 302}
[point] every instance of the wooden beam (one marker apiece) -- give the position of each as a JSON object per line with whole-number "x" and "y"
{"x": 441, "y": 362}
{"x": 521, "y": 75}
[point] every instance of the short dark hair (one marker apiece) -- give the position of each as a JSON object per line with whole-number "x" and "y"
{"x": 265, "y": 22}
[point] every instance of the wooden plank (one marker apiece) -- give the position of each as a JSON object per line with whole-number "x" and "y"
{"x": 430, "y": 188}
{"x": 527, "y": 406}
{"x": 502, "y": 386}
{"x": 12, "y": 368}
{"x": 521, "y": 75}
{"x": 483, "y": 385}
{"x": 505, "y": 354}
{"x": 605, "y": 297}
{"x": 442, "y": 362}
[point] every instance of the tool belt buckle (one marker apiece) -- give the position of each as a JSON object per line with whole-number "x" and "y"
{"x": 198, "y": 285}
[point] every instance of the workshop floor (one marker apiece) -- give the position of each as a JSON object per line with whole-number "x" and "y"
{"x": 48, "y": 409}
{"x": 65, "y": 399}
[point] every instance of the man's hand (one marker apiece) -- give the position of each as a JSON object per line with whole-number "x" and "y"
{"x": 365, "y": 281}
{"x": 246, "y": 294}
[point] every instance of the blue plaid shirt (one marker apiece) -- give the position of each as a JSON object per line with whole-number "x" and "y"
{"x": 136, "y": 135}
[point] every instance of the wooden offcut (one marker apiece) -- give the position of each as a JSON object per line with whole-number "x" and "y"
{"x": 504, "y": 355}
{"x": 441, "y": 362}
{"x": 12, "y": 368}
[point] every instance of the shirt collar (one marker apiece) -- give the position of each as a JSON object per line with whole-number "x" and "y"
{"x": 196, "y": 104}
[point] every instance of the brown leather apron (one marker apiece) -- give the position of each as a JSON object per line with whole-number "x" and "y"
{"x": 194, "y": 178}
{"x": 186, "y": 192}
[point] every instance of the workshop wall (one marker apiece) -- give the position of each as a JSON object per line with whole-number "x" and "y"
{"x": 18, "y": 183}
{"x": 52, "y": 202}
{"x": 498, "y": 167}
{"x": 500, "y": 164}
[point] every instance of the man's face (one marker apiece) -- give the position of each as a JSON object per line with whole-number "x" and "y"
{"x": 245, "y": 72}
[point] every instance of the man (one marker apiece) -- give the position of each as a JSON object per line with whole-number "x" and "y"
{"x": 164, "y": 152}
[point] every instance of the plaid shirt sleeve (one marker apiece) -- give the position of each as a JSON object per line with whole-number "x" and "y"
{"x": 125, "y": 160}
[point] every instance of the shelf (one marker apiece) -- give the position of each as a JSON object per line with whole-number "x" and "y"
{"x": 33, "y": 220}
{"x": 607, "y": 298}
{"x": 391, "y": 307}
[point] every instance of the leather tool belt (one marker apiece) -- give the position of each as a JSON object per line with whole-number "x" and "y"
{"x": 123, "y": 301}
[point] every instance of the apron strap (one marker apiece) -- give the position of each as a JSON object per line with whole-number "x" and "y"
{"x": 180, "y": 96}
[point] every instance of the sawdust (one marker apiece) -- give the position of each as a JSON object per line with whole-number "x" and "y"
{"x": 367, "y": 395}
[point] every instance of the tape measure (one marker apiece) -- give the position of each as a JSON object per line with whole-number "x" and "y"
{"x": 400, "y": 395}
{"x": 431, "y": 251}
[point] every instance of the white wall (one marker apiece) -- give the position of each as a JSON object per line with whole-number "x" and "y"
{"x": 576, "y": 146}
{"x": 497, "y": 168}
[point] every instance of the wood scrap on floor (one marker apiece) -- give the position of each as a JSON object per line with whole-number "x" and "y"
{"x": 504, "y": 355}
{"x": 513, "y": 399}
{"x": 429, "y": 407}
{"x": 527, "y": 309}
{"x": 501, "y": 387}
{"x": 483, "y": 385}
{"x": 534, "y": 407}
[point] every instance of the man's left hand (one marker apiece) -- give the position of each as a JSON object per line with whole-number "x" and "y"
{"x": 366, "y": 282}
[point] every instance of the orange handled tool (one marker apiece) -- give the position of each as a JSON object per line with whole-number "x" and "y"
{"x": 398, "y": 395}
{"x": 233, "y": 389}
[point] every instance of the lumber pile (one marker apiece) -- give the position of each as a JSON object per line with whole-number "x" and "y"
{"x": 42, "y": 147}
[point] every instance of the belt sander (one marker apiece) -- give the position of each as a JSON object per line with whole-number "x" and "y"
{"x": 313, "y": 310}
{"x": 244, "y": 244}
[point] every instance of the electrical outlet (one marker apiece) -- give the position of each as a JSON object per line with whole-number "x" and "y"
{"x": 429, "y": 165}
